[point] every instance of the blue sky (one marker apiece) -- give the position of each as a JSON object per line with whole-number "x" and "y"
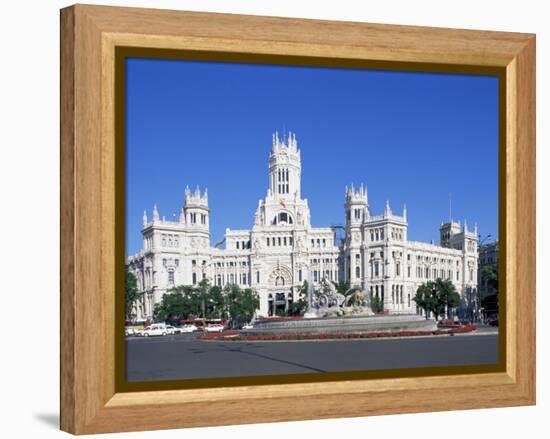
{"x": 410, "y": 137}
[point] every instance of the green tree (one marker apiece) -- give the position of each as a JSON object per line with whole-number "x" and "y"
{"x": 240, "y": 304}
{"x": 376, "y": 304}
{"x": 215, "y": 307}
{"x": 181, "y": 302}
{"x": 131, "y": 294}
{"x": 171, "y": 306}
{"x": 447, "y": 295}
{"x": 437, "y": 297}
{"x": 489, "y": 275}
{"x": 211, "y": 300}
{"x": 299, "y": 307}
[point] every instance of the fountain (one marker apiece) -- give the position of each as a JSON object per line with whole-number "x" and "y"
{"x": 329, "y": 311}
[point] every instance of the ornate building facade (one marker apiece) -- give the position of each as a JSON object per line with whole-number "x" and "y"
{"x": 282, "y": 250}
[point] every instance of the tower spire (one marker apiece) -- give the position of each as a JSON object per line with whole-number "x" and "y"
{"x": 387, "y": 211}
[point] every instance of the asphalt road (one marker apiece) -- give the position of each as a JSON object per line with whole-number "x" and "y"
{"x": 184, "y": 357}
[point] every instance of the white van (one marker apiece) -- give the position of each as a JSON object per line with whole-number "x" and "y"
{"x": 154, "y": 330}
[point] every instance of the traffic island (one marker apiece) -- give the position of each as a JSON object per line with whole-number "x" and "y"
{"x": 289, "y": 336}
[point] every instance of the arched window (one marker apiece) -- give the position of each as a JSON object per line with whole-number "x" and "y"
{"x": 279, "y": 281}
{"x": 282, "y": 218}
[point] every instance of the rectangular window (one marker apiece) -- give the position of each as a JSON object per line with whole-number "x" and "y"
{"x": 408, "y": 271}
{"x": 299, "y": 275}
{"x": 257, "y": 277}
{"x": 194, "y": 278}
{"x": 170, "y": 278}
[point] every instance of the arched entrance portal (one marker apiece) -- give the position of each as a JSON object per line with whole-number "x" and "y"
{"x": 280, "y": 296}
{"x": 280, "y": 304}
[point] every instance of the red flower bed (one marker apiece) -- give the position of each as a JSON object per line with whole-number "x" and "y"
{"x": 466, "y": 328}
{"x": 233, "y": 335}
{"x": 281, "y": 318}
{"x": 218, "y": 335}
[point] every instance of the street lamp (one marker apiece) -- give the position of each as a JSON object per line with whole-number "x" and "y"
{"x": 481, "y": 241}
{"x": 203, "y": 289}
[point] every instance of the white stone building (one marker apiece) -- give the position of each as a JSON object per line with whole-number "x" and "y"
{"x": 282, "y": 249}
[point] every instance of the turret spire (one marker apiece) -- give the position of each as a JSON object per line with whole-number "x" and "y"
{"x": 387, "y": 211}
{"x": 156, "y": 215}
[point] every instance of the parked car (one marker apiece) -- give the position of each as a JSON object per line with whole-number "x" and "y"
{"x": 493, "y": 322}
{"x": 128, "y": 332}
{"x": 248, "y": 326}
{"x": 156, "y": 329}
{"x": 214, "y": 328}
{"x": 188, "y": 328}
{"x": 171, "y": 330}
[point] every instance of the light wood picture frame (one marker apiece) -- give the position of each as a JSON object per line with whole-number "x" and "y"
{"x": 93, "y": 399}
